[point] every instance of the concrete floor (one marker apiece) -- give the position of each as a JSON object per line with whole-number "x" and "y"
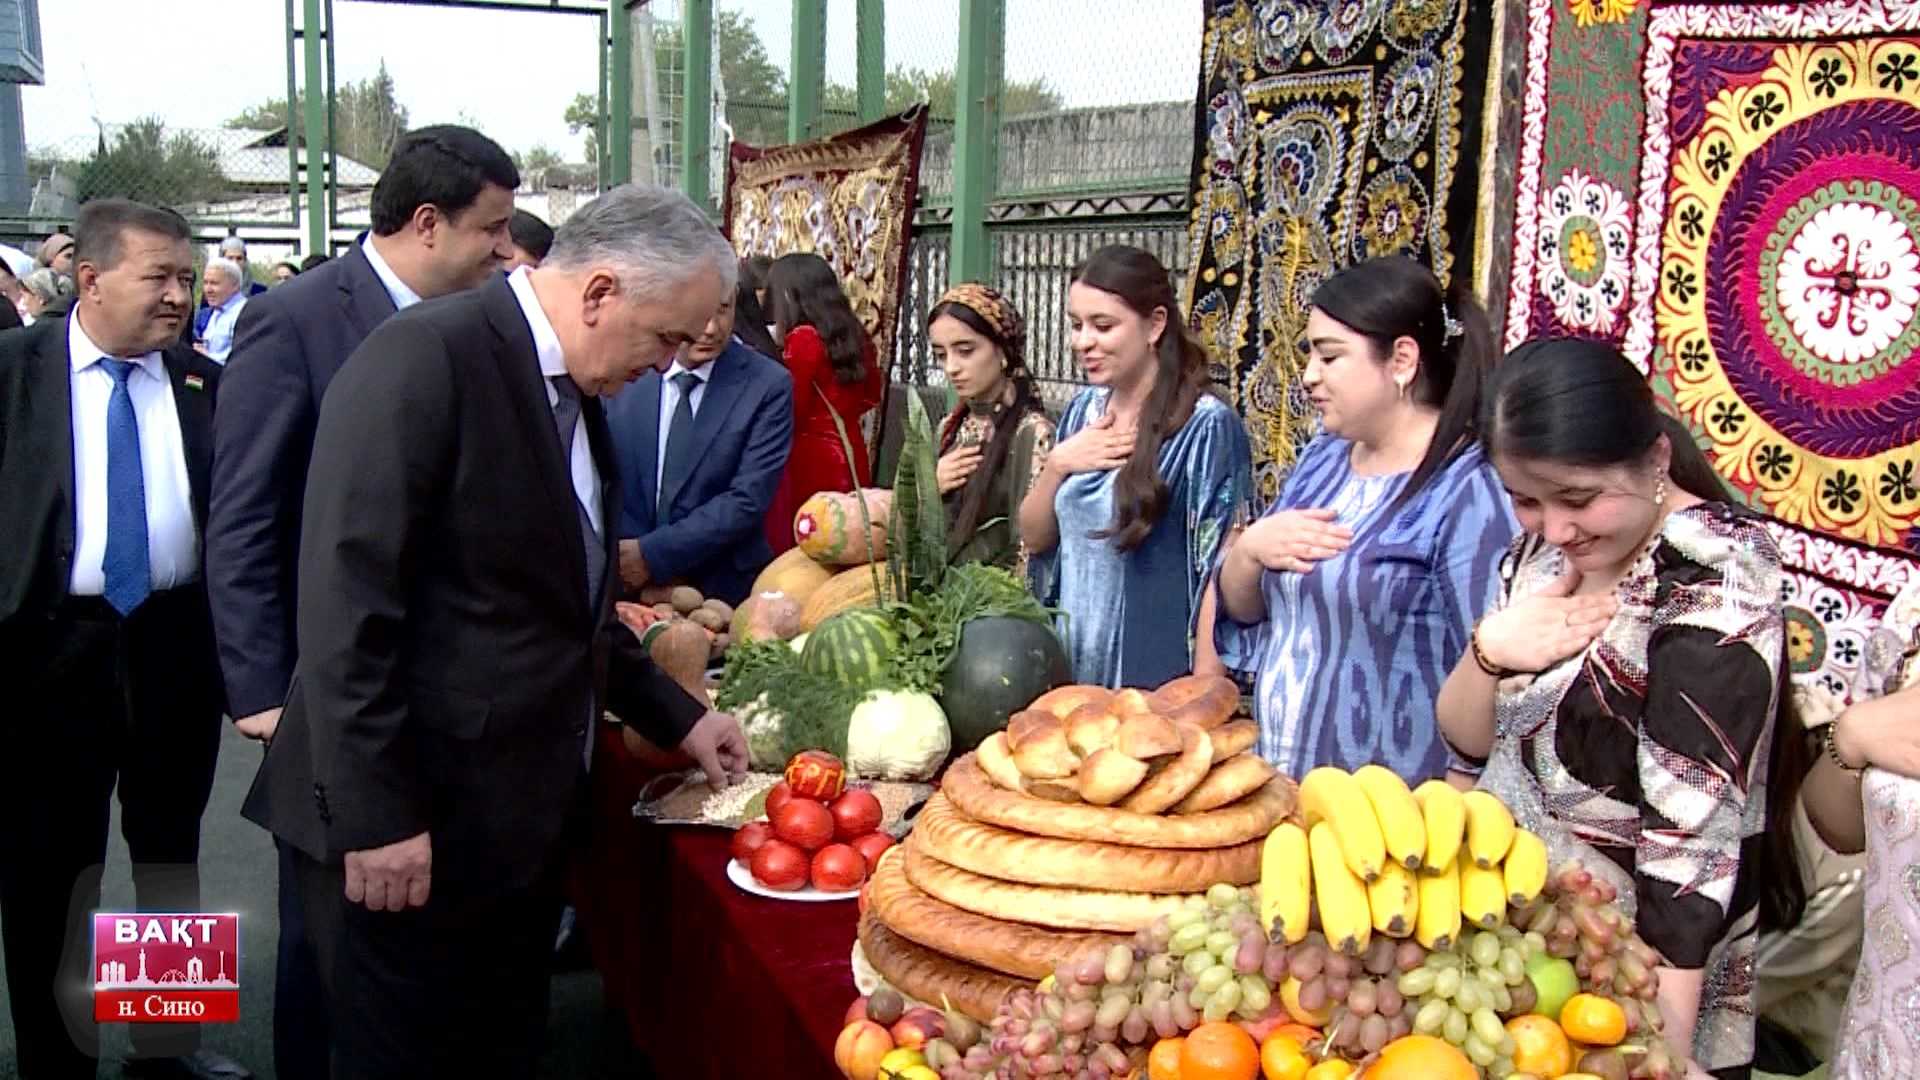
{"x": 237, "y": 874}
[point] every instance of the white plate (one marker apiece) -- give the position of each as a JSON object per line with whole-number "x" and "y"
{"x": 743, "y": 878}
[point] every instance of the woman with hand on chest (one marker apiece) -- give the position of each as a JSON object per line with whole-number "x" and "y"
{"x": 1148, "y": 473}
{"x": 996, "y": 441}
{"x": 1351, "y": 598}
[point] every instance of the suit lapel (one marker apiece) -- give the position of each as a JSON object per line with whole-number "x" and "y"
{"x": 192, "y": 401}
{"x": 600, "y": 442}
{"x": 56, "y": 362}
{"x": 519, "y": 364}
{"x": 715, "y": 402}
{"x": 363, "y": 298}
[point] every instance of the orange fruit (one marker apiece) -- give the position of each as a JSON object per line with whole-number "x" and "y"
{"x": 1300, "y": 1033}
{"x": 1330, "y": 1069}
{"x": 1540, "y": 1047}
{"x": 1594, "y": 1020}
{"x": 1421, "y": 1057}
{"x": 1281, "y": 1058}
{"x": 1164, "y": 1062}
{"x": 1219, "y": 1051}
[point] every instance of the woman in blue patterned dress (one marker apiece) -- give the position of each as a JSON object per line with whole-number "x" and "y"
{"x": 1626, "y": 689}
{"x": 1353, "y": 595}
{"x": 1147, "y": 473}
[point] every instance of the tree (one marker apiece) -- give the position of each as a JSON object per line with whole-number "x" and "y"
{"x": 907, "y": 85}
{"x": 584, "y": 115}
{"x": 367, "y": 118}
{"x": 539, "y": 159}
{"x": 148, "y": 165}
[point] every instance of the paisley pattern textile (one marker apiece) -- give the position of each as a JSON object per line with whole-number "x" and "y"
{"x": 848, "y": 199}
{"x": 1741, "y": 214}
{"x": 1327, "y": 132}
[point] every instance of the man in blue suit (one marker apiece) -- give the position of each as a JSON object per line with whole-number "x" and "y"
{"x": 701, "y": 449}
{"x": 440, "y": 215}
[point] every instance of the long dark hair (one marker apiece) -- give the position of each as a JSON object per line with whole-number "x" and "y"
{"x": 803, "y": 290}
{"x": 1580, "y": 402}
{"x": 1394, "y": 297}
{"x": 1179, "y": 378}
{"x": 750, "y": 322}
{"x": 966, "y": 506}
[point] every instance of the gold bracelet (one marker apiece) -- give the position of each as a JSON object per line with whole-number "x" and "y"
{"x": 1480, "y": 658}
{"x": 1833, "y": 752}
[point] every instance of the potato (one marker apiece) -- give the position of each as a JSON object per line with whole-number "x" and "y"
{"x": 720, "y": 608}
{"x": 707, "y": 619}
{"x": 686, "y": 598}
{"x": 666, "y": 609}
{"x": 719, "y": 647}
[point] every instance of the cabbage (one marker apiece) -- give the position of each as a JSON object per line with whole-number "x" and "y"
{"x": 897, "y": 735}
{"x": 765, "y": 730}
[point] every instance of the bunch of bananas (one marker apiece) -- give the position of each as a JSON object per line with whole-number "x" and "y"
{"x": 1380, "y": 858}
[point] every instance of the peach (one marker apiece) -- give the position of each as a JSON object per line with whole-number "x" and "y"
{"x": 859, "y": 1049}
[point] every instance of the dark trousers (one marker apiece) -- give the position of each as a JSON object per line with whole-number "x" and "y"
{"x": 98, "y": 703}
{"x": 455, "y": 989}
{"x": 300, "y": 1041}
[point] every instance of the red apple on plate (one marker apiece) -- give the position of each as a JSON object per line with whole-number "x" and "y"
{"x": 779, "y": 865}
{"x": 778, "y": 796}
{"x": 838, "y": 868}
{"x": 855, "y": 814}
{"x": 871, "y": 847}
{"x": 805, "y": 824}
{"x": 816, "y": 774}
{"x": 748, "y": 838}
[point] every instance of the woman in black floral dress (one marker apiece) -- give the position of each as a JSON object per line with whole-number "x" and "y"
{"x": 1624, "y": 691}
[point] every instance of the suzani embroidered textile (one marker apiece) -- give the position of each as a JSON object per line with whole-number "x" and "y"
{"x": 1835, "y": 598}
{"x": 1731, "y": 192}
{"x": 848, "y": 198}
{"x": 1326, "y": 132}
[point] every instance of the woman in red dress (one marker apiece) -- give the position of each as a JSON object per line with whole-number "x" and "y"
{"x": 833, "y": 364}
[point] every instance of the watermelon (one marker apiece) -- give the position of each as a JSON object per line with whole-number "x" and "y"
{"x": 1000, "y": 666}
{"x": 851, "y": 648}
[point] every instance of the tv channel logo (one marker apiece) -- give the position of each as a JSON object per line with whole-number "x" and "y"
{"x": 182, "y": 969}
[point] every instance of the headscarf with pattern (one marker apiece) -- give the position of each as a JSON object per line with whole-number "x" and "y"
{"x": 998, "y": 312}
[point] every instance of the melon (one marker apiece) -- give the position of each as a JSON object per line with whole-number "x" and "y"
{"x": 829, "y": 528}
{"x": 765, "y": 616}
{"x": 852, "y": 648}
{"x": 1000, "y": 666}
{"x": 847, "y": 590}
{"x": 793, "y": 573}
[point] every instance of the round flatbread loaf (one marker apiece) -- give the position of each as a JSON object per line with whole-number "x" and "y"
{"x": 928, "y": 976}
{"x": 1229, "y": 781}
{"x": 1067, "y": 909}
{"x": 1206, "y": 701}
{"x": 1010, "y": 947}
{"x": 1249, "y": 819}
{"x": 944, "y": 832}
{"x": 1177, "y": 780}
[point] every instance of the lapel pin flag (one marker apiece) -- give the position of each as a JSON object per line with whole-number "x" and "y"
{"x": 195, "y": 382}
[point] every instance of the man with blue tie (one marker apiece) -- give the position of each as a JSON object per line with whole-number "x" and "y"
{"x": 106, "y": 642}
{"x": 701, "y": 449}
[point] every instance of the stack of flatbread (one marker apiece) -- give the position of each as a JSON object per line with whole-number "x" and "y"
{"x": 1094, "y": 813}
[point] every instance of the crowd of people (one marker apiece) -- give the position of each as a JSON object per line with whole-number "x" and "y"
{"x": 377, "y": 514}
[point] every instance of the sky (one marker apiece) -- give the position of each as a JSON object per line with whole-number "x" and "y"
{"x": 512, "y": 74}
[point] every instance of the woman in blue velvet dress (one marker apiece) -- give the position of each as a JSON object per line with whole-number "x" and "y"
{"x": 1147, "y": 475}
{"x": 1353, "y": 596}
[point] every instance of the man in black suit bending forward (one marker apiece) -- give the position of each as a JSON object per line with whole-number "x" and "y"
{"x": 456, "y": 641}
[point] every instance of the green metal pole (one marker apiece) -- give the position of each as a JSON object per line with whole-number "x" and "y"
{"x": 696, "y": 127}
{"x": 620, "y": 111}
{"x": 870, "y": 47}
{"x": 315, "y": 125}
{"x": 809, "y": 69}
{"x": 976, "y": 95}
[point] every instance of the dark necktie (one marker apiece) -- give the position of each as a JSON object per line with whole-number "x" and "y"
{"x": 125, "y": 567}
{"x": 566, "y": 416}
{"x": 679, "y": 459}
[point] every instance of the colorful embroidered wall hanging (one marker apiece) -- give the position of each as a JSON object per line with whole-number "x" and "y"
{"x": 1327, "y": 132}
{"x": 1834, "y": 595}
{"x": 848, "y": 198}
{"x": 1744, "y": 221}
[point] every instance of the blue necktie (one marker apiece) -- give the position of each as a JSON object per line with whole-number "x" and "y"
{"x": 679, "y": 459}
{"x": 128, "y": 576}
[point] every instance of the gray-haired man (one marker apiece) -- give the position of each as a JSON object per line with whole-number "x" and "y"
{"x": 456, "y": 639}
{"x": 234, "y": 250}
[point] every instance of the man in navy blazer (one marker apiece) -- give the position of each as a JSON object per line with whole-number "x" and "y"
{"x": 440, "y": 215}
{"x": 718, "y": 472}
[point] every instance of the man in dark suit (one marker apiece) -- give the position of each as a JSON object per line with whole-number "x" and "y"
{"x": 439, "y": 225}
{"x": 106, "y": 645}
{"x": 701, "y": 449}
{"x": 456, "y": 639}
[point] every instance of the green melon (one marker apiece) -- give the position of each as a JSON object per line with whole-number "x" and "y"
{"x": 851, "y": 648}
{"x": 1000, "y": 666}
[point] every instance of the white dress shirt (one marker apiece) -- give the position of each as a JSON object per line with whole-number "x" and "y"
{"x": 553, "y": 363}
{"x": 403, "y": 297}
{"x": 220, "y": 326}
{"x": 669, "y": 401}
{"x": 173, "y": 545}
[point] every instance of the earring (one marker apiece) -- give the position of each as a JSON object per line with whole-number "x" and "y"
{"x": 1402, "y": 387}
{"x": 1660, "y": 490}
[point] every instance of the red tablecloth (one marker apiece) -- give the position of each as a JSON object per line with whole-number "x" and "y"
{"x": 713, "y": 981}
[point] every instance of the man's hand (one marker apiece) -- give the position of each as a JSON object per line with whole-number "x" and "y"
{"x": 633, "y": 565}
{"x": 719, "y": 747}
{"x": 260, "y": 725}
{"x": 395, "y": 877}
